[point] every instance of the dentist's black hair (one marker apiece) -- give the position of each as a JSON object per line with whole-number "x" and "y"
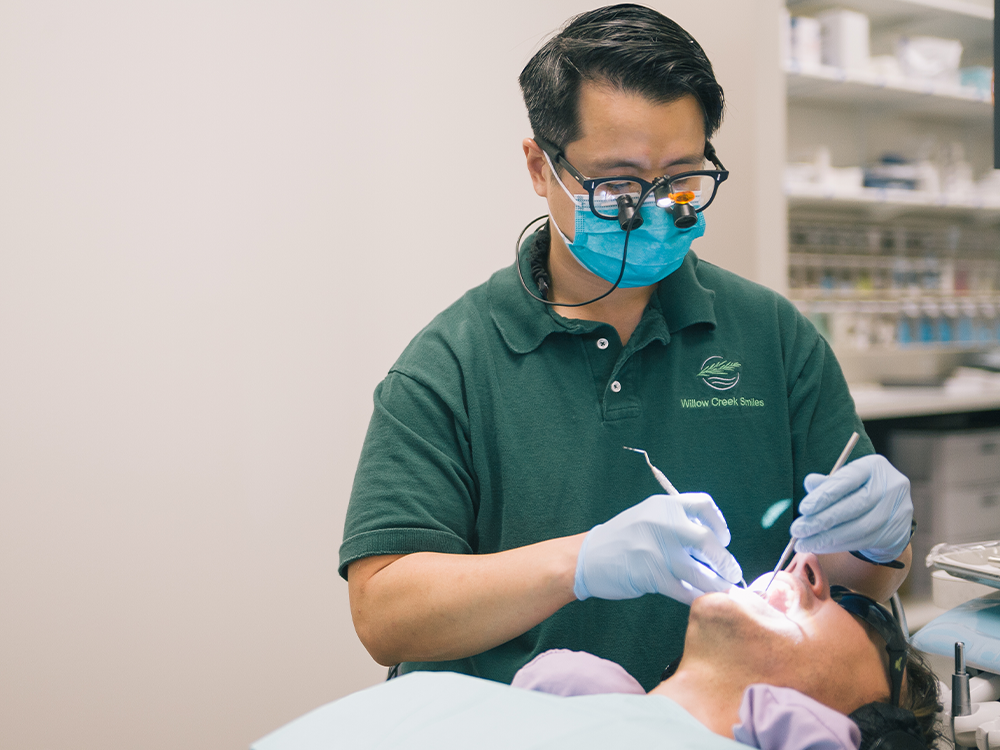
{"x": 627, "y": 46}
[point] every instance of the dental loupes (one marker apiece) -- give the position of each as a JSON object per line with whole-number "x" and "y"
{"x": 661, "y": 478}
{"x": 791, "y": 542}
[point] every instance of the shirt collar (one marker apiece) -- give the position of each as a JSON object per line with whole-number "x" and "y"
{"x": 683, "y": 299}
{"x": 524, "y": 323}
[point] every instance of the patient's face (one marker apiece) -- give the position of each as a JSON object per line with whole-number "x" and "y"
{"x": 798, "y": 637}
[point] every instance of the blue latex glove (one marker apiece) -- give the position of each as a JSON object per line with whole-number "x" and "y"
{"x": 865, "y": 506}
{"x": 654, "y": 548}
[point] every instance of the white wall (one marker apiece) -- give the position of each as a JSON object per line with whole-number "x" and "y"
{"x": 220, "y": 222}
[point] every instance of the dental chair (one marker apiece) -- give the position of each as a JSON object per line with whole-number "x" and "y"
{"x": 967, "y": 583}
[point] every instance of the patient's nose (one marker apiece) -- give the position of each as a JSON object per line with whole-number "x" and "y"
{"x": 806, "y": 566}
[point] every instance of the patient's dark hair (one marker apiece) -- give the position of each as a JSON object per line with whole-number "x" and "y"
{"x": 630, "y": 47}
{"x": 916, "y": 716}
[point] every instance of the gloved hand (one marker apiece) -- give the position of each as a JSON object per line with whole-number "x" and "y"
{"x": 865, "y": 506}
{"x": 654, "y": 547}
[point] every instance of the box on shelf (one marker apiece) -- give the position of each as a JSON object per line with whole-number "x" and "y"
{"x": 844, "y": 39}
{"x": 807, "y": 48}
{"x": 930, "y": 58}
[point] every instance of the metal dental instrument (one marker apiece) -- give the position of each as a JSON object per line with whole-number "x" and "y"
{"x": 791, "y": 542}
{"x": 661, "y": 478}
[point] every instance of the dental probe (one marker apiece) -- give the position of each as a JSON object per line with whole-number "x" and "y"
{"x": 791, "y": 542}
{"x": 660, "y": 476}
{"x": 663, "y": 481}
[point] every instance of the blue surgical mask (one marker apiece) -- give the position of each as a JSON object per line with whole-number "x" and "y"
{"x": 655, "y": 250}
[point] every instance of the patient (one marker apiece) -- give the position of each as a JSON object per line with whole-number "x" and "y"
{"x": 799, "y": 639}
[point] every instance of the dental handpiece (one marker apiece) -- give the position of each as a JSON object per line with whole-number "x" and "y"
{"x": 961, "y": 700}
{"x": 791, "y": 542}
{"x": 661, "y": 478}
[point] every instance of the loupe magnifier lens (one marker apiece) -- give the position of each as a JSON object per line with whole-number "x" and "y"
{"x": 608, "y": 195}
{"x": 681, "y": 204}
{"x": 684, "y": 215}
{"x": 684, "y": 196}
{"x": 628, "y": 214}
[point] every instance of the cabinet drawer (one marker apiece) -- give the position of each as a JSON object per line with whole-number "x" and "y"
{"x": 970, "y": 458}
{"x": 964, "y": 513}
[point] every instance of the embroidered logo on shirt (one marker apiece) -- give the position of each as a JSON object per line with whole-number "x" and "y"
{"x": 719, "y": 373}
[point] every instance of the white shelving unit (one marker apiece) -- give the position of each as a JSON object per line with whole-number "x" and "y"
{"x": 883, "y": 203}
{"x": 859, "y": 116}
{"x": 951, "y": 19}
{"x": 902, "y": 95}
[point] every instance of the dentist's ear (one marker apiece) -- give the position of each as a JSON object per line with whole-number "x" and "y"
{"x": 538, "y": 168}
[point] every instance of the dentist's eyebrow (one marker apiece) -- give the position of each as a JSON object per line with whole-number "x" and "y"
{"x": 609, "y": 165}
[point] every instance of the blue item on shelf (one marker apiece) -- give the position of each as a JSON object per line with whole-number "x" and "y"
{"x": 944, "y": 330}
{"x": 979, "y": 77}
{"x": 892, "y": 171}
{"x": 965, "y": 331}
{"x": 926, "y": 328}
{"x": 904, "y": 333}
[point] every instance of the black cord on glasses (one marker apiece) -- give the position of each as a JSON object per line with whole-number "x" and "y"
{"x": 520, "y": 274}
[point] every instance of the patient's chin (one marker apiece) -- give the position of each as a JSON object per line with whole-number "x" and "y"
{"x": 732, "y": 630}
{"x": 723, "y": 615}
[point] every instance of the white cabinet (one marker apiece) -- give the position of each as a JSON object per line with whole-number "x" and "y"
{"x": 955, "y": 485}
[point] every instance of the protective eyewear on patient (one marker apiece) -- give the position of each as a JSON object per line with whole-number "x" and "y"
{"x": 882, "y": 621}
{"x": 695, "y": 188}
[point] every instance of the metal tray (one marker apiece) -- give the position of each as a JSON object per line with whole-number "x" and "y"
{"x": 974, "y": 561}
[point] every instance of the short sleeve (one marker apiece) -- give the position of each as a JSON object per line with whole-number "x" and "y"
{"x": 414, "y": 490}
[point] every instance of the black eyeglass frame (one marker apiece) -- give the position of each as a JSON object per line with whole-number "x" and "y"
{"x": 720, "y": 175}
{"x": 886, "y": 626}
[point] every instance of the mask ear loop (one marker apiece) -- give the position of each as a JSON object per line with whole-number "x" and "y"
{"x": 621, "y": 273}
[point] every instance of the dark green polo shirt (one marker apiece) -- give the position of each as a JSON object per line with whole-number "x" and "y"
{"x": 502, "y": 425}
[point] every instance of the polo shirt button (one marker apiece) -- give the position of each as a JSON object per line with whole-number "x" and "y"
{"x": 616, "y": 386}
{"x": 602, "y": 343}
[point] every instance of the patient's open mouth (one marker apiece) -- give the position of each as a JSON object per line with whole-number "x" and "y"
{"x": 756, "y": 600}
{"x": 779, "y": 595}
{"x": 776, "y": 609}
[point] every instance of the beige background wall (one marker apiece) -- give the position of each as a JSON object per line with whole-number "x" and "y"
{"x": 220, "y": 222}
